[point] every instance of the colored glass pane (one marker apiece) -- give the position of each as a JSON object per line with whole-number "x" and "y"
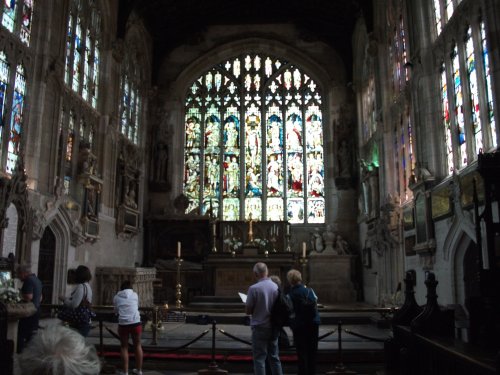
{"x": 437, "y": 16}
{"x": 9, "y": 14}
{"x": 474, "y": 93}
{"x": 446, "y": 121}
{"x": 77, "y": 56}
{"x": 459, "y": 110}
{"x": 16, "y": 122}
{"x": 4, "y": 82}
{"x": 27, "y": 14}
{"x": 487, "y": 81}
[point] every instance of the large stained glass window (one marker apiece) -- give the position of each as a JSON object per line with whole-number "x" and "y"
{"x": 474, "y": 93}
{"x": 16, "y": 18}
{"x": 16, "y": 119}
{"x": 130, "y": 106}
{"x": 446, "y": 121}
{"x": 4, "y": 82}
{"x": 487, "y": 83}
{"x": 254, "y": 142}
{"x": 83, "y": 50}
{"x": 459, "y": 109}
{"x": 399, "y": 56}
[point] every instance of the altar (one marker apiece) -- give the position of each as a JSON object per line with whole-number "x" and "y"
{"x": 230, "y": 274}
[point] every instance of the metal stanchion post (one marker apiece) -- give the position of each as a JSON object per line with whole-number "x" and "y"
{"x": 178, "y": 287}
{"x": 340, "y": 368}
{"x": 154, "y": 326}
{"x": 212, "y": 367}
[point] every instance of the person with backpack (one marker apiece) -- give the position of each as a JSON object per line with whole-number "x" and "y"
{"x": 305, "y": 324}
{"x": 261, "y": 297}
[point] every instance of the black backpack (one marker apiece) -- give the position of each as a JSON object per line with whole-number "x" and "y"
{"x": 282, "y": 311}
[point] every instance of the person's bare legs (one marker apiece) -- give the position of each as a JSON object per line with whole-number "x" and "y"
{"x": 124, "y": 351}
{"x": 136, "y": 338}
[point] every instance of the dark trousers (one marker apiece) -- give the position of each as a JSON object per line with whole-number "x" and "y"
{"x": 26, "y": 329}
{"x": 305, "y": 339}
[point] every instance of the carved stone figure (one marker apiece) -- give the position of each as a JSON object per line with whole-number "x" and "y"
{"x": 344, "y": 159}
{"x": 318, "y": 241}
{"x": 342, "y": 246}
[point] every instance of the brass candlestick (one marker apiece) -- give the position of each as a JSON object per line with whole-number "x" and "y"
{"x": 303, "y": 264}
{"x": 178, "y": 287}
{"x": 214, "y": 237}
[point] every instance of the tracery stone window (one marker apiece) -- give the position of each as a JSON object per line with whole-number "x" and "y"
{"x": 83, "y": 50}
{"x": 254, "y": 142}
{"x": 16, "y": 18}
{"x": 12, "y": 105}
{"x": 468, "y": 121}
{"x": 130, "y": 106}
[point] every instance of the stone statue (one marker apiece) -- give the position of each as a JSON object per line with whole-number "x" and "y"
{"x": 130, "y": 197}
{"x": 160, "y": 162}
{"x": 329, "y": 239}
{"x": 318, "y": 241}
{"x": 342, "y": 246}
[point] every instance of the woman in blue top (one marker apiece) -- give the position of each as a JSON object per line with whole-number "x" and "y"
{"x": 305, "y": 326}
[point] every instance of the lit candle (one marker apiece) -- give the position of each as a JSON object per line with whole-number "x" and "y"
{"x": 179, "y": 249}
{"x": 303, "y": 249}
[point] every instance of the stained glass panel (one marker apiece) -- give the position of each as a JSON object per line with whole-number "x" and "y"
{"x": 9, "y": 14}
{"x": 4, "y": 82}
{"x": 16, "y": 123}
{"x": 474, "y": 94}
{"x": 459, "y": 110}
{"x": 259, "y": 142}
{"x": 447, "y": 121}
{"x": 26, "y": 21}
{"x": 437, "y": 16}
{"x": 487, "y": 80}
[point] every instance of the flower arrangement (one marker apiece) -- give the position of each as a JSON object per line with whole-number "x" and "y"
{"x": 8, "y": 293}
{"x": 233, "y": 243}
{"x": 262, "y": 242}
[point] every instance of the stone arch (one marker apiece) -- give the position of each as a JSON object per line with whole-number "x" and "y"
{"x": 61, "y": 225}
{"x": 329, "y": 74}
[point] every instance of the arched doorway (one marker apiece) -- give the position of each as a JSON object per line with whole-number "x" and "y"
{"x": 46, "y": 263}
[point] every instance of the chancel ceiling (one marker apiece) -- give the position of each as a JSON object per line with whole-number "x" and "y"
{"x": 176, "y": 22}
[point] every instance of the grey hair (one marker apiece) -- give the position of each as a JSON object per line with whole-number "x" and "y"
{"x": 58, "y": 350}
{"x": 294, "y": 277}
{"x": 260, "y": 269}
{"x": 276, "y": 279}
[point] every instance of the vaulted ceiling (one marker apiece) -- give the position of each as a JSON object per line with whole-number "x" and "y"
{"x": 176, "y": 22}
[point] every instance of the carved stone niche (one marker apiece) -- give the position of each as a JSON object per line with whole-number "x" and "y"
{"x": 127, "y": 207}
{"x": 425, "y": 245}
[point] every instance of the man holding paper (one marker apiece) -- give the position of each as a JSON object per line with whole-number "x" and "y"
{"x": 260, "y": 299}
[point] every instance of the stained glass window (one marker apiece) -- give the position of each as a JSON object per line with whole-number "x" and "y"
{"x": 16, "y": 18}
{"x": 16, "y": 119}
{"x": 474, "y": 93}
{"x": 437, "y": 16}
{"x": 399, "y": 56}
{"x": 459, "y": 109}
{"x": 4, "y": 82}
{"x": 82, "y": 50}
{"x": 254, "y": 142}
{"x": 446, "y": 121}
{"x": 487, "y": 83}
{"x": 131, "y": 100}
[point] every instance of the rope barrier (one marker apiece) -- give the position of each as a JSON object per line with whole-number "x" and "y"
{"x": 326, "y": 335}
{"x": 364, "y": 336}
{"x": 234, "y": 337}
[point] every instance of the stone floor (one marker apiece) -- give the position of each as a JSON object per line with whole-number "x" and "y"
{"x": 174, "y": 335}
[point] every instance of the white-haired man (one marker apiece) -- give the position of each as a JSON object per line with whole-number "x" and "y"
{"x": 260, "y": 299}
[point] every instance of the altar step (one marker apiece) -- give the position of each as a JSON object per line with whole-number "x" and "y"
{"x": 231, "y": 310}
